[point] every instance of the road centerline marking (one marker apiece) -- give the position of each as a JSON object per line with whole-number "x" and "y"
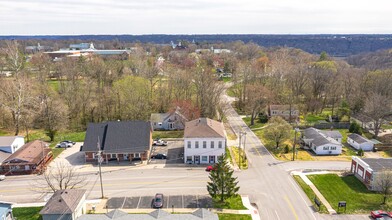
{"x": 291, "y": 207}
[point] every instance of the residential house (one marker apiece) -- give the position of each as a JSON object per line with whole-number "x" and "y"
{"x": 5, "y": 211}
{"x": 359, "y": 142}
{"x": 118, "y": 141}
{"x": 368, "y": 170}
{"x": 10, "y": 144}
{"x": 285, "y": 111}
{"x": 30, "y": 158}
{"x": 3, "y": 156}
{"x": 66, "y": 204}
{"x": 320, "y": 143}
{"x": 199, "y": 214}
{"x": 173, "y": 120}
{"x": 204, "y": 141}
{"x": 336, "y": 135}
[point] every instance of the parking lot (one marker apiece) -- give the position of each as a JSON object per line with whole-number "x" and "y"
{"x": 174, "y": 152}
{"x": 145, "y": 202}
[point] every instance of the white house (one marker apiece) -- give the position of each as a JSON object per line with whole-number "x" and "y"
{"x": 168, "y": 121}
{"x": 320, "y": 143}
{"x": 359, "y": 142}
{"x": 287, "y": 112}
{"x": 204, "y": 141}
{"x": 367, "y": 170}
{"x": 10, "y": 144}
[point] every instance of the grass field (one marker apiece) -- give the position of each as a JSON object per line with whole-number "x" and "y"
{"x": 309, "y": 192}
{"x": 257, "y": 123}
{"x": 359, "y": 199}
{"x": 234, "y": 202}
{"x": 167, "y": 134}
{"x": 234, "y": 217}
{"x": 244, "y": 161}
{"x": 28, "y": 213}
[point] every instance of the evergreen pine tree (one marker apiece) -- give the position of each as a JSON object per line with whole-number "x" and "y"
{"x": 223, "y": 185}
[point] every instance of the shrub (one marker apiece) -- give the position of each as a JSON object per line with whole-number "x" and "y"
{"x": 263, "y": 118}
{"x": 355, "y": 128}
{"x": 361, "y": 152}
{"x": 286, "y": 149}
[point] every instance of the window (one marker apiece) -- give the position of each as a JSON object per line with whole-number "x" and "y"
{"x": 204, "y": 158}
{"x": 189, "y": 144}
{"x": 137, "y": 155}
{"x": 204, "y": 144}
{"x": 113, "y": 156}
{"x": 95, "y": 155}
{"x": 212, "y": 144}
{"x": 196, "y": 144}
{"x": 326, "y": 148}
{"x": 189, "y": 158}
{"x": 220, "y": 144}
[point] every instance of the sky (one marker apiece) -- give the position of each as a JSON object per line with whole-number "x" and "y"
{"x": 74, "y": 17}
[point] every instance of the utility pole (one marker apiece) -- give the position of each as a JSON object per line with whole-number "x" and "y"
{"x": 239, "y": 151}
{"x": 244, "y": 154}
{"x": 100, "y": 159}
{"x": 295, "y": 141}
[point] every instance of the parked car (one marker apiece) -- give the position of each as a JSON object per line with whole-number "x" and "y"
{"x": 210, "y": 168}
{"x": 71, "y": 142}
{"x": 380, "y": 213}
{"x": 2, "y": 177}
{"x": 159, "y": 156}
{"x": 158, "y": 201}
{"x": 64, "y": 144}
{"x": 384, "y": 218}
{"x": 159, "y": 142}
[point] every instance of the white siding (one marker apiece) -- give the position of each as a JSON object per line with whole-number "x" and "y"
{"x": 203, "y": 152}
{"x": 328, "y": 149}
{"x": 367, "y": 146}
{"x": 18, "y": 143}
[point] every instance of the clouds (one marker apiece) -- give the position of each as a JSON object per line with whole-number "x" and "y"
{"x": 29, "y": 17}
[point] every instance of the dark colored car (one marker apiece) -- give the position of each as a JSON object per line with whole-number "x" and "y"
{"x": 210, "y": 168}
{"x": 380, "y": 213}
{"x": 158, "y": 201}
{"x": 159, "y": 156}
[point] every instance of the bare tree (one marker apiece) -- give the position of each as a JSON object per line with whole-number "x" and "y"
{"x": 383, "y": 184}
{"x": 257, "y": 98}
{"x": 378, "y": 107}
{"x": 60, "y": 176}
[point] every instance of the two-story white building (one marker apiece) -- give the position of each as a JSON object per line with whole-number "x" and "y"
{"x": 204, "y": 141}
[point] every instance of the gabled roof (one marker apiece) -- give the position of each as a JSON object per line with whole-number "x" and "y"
{"x": 204, "y": 128}
{"x": 8, "y": 140}
{"x": 332, "y": 134}
{"x": 3, "y": 156}
{"x": 203, "y": 214}
{"x": 115, "y": 214}
{"x": 118, "y": 136}
{"x": 318, "y": 137}
{"x": 32, "y": 152}
{"x": 159, "y": 214}
{"x": 358, "y": 138}
{"x": 63, "y": 202}
{"x": 159, "y": 117}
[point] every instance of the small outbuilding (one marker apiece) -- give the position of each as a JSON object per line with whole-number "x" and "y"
{"x": 359, "y": 142}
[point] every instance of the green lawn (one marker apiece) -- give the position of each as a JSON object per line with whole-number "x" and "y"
{"x": 228, "y": 155}
{"x": 28, "y": 213}
{"x": 387, "y": 126}
{"x": 349, "y": 189}
{"x": 167, "y": 134}
{"x": 244, "y": 163}
{"x": 309, "y": 192}
{"x": 54, "y": 84}
{"x": 257, "y": 123}
{"x": 234, "y": 217}
{"x": 226, "y": 79}
{"x": 234, "y": 202}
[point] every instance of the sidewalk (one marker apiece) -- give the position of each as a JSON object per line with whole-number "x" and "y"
{"x": 315, "y": 190}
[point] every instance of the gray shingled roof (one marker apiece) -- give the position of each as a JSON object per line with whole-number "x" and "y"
{"x": 204, "y": 127}
{"x": 358, "y": 138}
{"x": 318, "y": 138}
{"x": 63, "y": 202}
{"x": 199, "y": 214}
{"x": 332, "y": 134}
{"x": 7, "y": 140}
{"x": 3, "y": 156}
{"x": 378, "y": 164}
{"x": 118, "y": 136}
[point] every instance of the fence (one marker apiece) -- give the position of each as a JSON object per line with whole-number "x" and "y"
{"x": 328, "y": 125}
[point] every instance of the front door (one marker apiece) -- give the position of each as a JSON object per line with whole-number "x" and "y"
{"x": 125, "y": 156}
{"x": 212, "y": 159}
{"x": 197, "y": 159}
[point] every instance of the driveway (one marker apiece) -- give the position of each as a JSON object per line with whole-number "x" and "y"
{"x": 174, "y": 151}
{"x": 70, "y": 157}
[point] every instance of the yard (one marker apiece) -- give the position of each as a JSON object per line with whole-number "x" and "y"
{"x": 234, "y": 202}
{"x": 359, "y": 199}
{"x": 309, "y": 192}
{"x": 28, "y": 213}
{"x": 257, "y": 123}
{"x": 167, "y": 134}
{"x": 244, "y": 161}
{"x": 234, "y": 217}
